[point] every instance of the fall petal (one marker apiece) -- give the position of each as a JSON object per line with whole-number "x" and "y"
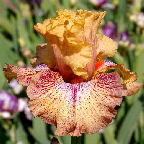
{"x": 51, "y": 99}
{"x": 75, "y": 108}
{"x": 123, "y": 72}
{"x": 95, "y": 103}
{"x": 131, "y": 88}
{"x": 23, "y": 75}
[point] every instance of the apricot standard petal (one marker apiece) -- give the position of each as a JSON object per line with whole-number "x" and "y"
{"x": 106, "y": 47}
{"x": 72, "y": 36}
{"x": 45, "y": 55}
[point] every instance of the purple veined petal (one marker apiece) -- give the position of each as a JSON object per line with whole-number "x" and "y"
{"x": 108, "y": 5}
{"x": 50, "y": 99}
{"x": 8, "y": 102}
{"x": 1, "y": 103}
{"x": 40, "y": 67}
{"x": 23, "y": 107}
{"x": 16, "y": 87}
{"x": 110, "y": 31}
{"x": 98, "y": 2}
{"x": 13, "y": 106}
{"x": 38, "y": 2}
{"x": 101, "y": 2}
{"x": 124, "y": 36}
{"x": 13, "y": 84}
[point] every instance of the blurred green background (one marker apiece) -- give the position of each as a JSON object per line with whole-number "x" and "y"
{"x": 124, "y": 23}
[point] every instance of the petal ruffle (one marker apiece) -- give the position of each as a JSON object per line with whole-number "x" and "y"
{"x": 106, "y": 47}
{"x": 23, "y": 75}
{"x": 123, "y": 72}
{"x": 45, "y": 55}
{"x": 75, "y": 108}
{"x": 130, "y": 86}
{"x": 72, "y": 36}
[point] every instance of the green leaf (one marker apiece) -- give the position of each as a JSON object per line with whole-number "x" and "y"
{"x": 2, "y": 78}
{"x": 39, "y": 131}
{"x": 50, "y": 7}
{"x": 139, "y": 69}
{"x": 92, "y": 139}
{"x": 21, "y": 135}
{"x": 80, "y": 5}
{"x": 4, "y": 135}
{"x": 66, "y": 4}
{"x": 5, "y": 24}
{"x": 6, "y": 53}
{"x": 67, "y": 139}
{"x": 109, "y": 134}
{"x": 14, "y": 35}
{"x": 129, "y": 122}
{"x": 23, "y": 33}
{"x": 121, "y": 15}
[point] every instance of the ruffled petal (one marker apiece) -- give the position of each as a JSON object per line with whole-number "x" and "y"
{"x": 51, "y": 99}
{"x": 45, "y": 55}
{"x": 23, "y": 75}
{"x": 75, "y": 108}
{"x": 95, "y": 103}
{"x": 123, "y": 72}
{"x": 106, "y": 47}
{"x": 72, "y": 36}
{"x": 131, "y": 88}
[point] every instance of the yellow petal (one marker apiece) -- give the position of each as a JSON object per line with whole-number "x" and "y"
{"x": 72, "y": 36}
{"x": 106, "y": 47}
{"x": 44, "y": 54}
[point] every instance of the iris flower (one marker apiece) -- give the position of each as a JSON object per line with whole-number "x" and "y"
{"x": 8, "y": 103}
{"x": 70, "y": 85}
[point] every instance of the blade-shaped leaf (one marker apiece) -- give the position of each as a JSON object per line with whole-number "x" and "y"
{"x": 39, "y": 131}
{"x": 129, "y": 122}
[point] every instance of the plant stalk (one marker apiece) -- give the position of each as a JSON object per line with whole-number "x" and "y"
{"x": 77, "y": 140}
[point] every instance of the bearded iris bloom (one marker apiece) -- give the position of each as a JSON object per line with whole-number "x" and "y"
{"x": 70, "y": 85}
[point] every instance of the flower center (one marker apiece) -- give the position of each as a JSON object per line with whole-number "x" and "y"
{"x": 79, "y": 79}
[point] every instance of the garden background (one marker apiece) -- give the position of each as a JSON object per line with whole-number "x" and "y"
{"x": 124, "y": 23}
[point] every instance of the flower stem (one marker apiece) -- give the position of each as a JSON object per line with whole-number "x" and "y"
{"x": 77, "y": 140}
